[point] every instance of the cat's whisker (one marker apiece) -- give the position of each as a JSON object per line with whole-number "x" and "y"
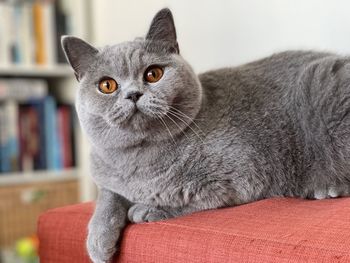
{"x": 104, "y": 128}
{"x": 105, "y": 131}
{"x": 177, "y": 126}
{"x": 194, "y": 119}
{"x": 189, "y": 126}
{"x": 186, "y": 116}
{"x": 179, "y": 116}
{"x": 159, "y": 109}
{"x": 163, "y": 122}
{"x": 156, "y": 112}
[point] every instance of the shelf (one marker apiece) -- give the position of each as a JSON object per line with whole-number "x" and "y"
{"x": 37, "y": 71}
{"x": 37, "y": 176}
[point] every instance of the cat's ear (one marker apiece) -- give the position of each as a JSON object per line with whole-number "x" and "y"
{"x": 79, "y": 54}
{"x": 163, "y": 29}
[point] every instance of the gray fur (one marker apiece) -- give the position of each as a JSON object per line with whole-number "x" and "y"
{"x": 279, "y": 126}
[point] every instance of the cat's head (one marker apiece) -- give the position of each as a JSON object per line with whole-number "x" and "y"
{"x": 136, "y": 91}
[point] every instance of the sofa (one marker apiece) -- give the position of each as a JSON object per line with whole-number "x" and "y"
{"x": 272, "y": 230}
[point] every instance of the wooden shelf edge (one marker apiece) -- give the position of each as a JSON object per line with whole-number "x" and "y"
{"x": 38, "y": 176}
{"x": 37, "y": 71}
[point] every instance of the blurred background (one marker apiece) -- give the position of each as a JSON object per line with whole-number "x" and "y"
{"x": 43, "y": 154}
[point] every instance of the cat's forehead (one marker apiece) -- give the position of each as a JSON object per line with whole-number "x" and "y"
{"x": 124, "y": 52}
{"x": 124, "y": 48}
{"x": 128, "y": 58}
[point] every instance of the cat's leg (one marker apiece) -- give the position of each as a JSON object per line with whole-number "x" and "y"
{"x": 331, "y": 192}
{"x": 105, "y": 226}
{"x": 145, "y": 213}
{"x": 338, "y": 191}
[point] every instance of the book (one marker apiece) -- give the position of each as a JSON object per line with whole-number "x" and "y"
{"x": 5, "y": 39}
{"x": 9, "y": 136}
{"x": 13, "y": 27}
{"x": 49, "y": 31}
{"x": 22, "y": 89}
{"x": 16, "y": 43}
{"x": 62, "y": 28}
{"x": 53, "y": 155}
{"x": 44, "y": 31}
{"x": 39, "y": 33}
{"x": 28, "y": 137}
{"x": 30, "y": 31}
{"x": 64, "y": 120}
{"x": 48, "y": 156}
{"x": 27, "y": 45}
{"x": 39, "y": 160}
{"x": 35, "y": 135}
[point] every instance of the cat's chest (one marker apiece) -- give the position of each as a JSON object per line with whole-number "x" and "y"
{"x": 140, "y": 176}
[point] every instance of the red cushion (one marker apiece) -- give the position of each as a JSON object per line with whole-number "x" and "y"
{"x": 274, "y": 230}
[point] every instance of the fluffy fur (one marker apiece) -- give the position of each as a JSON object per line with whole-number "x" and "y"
{"x": 275, "y": 127}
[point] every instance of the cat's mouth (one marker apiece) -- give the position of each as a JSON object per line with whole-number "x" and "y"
{"x": 118, "y": 117}
{"x": 137, "y": 114}
{"x": 131, "y": 116}
{"x": 141, "y": 114}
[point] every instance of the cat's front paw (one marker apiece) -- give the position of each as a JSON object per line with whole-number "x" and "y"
{"x": 142, "y": 213}
{"x": 101, "y": 243}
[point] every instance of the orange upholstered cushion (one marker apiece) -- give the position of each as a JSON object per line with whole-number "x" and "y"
{"x": 274, "y": 230}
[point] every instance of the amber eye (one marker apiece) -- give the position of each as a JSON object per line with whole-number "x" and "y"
{"x": 153, "y": 74}
{"x": 107, "y": 85}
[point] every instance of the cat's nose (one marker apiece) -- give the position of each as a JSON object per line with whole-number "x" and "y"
{"x": 134, "y": 95}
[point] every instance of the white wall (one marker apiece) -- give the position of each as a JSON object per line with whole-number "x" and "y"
{"x": 216, "y": 33}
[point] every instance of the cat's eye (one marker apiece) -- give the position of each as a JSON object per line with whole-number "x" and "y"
{"x": 153, "y": 74}
{"x": 107, "y": 85}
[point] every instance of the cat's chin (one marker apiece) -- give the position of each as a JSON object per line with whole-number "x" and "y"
{"x": 136, "y": 120}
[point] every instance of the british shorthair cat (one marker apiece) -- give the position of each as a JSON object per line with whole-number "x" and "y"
{"x": 167, "y": 142}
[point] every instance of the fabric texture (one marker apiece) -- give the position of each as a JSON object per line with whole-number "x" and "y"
{"x": 273, "y": 230}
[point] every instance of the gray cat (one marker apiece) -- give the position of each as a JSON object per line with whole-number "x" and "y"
{"x": 166, "y": 142}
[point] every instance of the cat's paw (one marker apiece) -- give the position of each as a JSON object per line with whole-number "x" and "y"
{"x": 101, "y": 243}
{"x": 142, "y": 213}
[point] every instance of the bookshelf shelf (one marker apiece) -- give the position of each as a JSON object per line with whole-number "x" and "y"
{"x": 30, "y": 52}
{"x": 36, "y": 71}
{"x": 11, "y": 179}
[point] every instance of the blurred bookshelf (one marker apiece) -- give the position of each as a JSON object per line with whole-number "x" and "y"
{"x": 32, "y": 62}
{"x": 40, "y": 140}
{"x": 37, "y": 71}
{"x": 38, "y": 176}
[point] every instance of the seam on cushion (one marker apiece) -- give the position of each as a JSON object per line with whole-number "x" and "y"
{"x": 247, "y": 237}
{"x": 58, "y": 210}
{"x": 38, "y": 224}
{"x": 38, "y": 232}
{"x": 69, "y": 213}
